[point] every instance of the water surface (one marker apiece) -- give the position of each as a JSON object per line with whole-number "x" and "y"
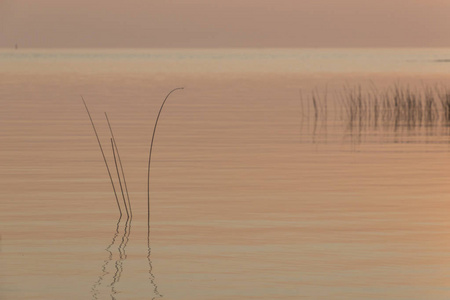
{"x": 251, "y": 197}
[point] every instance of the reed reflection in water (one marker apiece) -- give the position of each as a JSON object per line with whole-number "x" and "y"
{"x": 104, "y": 268}
{"x": 398, "y": 114}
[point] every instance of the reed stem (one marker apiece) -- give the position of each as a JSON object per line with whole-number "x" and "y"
{"x": 118, "y": 176}
{"x": 121, "y": 166}
{"x": 104, "y": 158}
{"x": 150, "y": 160}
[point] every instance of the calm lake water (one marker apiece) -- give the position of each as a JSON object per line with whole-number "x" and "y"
{"x": 252, "y": 196}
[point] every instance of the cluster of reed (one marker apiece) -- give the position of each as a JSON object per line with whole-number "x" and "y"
{"x": 126, "y": 205}
{"x": 118, "y": 165}
{"x": 398, "y": 106}
{"x": 316, "y": 109}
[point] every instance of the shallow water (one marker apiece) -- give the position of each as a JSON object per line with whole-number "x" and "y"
{"x": 250, "y": 197}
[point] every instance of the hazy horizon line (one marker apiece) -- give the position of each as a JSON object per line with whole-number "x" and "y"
{"x": 224, "y": 47}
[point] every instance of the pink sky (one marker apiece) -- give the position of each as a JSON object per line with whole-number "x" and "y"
{"x": 231, "y": 23}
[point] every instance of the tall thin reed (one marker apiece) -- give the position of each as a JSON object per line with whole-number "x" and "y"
{"x": 150, "y": 160}
{"x": 104, "y": 158}
{"x": 118, "y": 176}
{"x": 316, "y": 113}
{"x": 120, "y": 163}
{"x": 445, "y": 103}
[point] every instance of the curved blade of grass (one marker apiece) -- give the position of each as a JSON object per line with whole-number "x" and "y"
{"x": 150, "y": 160}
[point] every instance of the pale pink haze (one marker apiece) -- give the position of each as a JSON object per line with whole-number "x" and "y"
{"x": 231, "y": 23}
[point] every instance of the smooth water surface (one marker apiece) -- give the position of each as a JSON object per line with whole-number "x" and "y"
{"x": 251, "y": 196}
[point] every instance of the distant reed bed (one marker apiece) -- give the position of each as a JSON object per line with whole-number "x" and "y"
{"x": 392, "y": 107}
